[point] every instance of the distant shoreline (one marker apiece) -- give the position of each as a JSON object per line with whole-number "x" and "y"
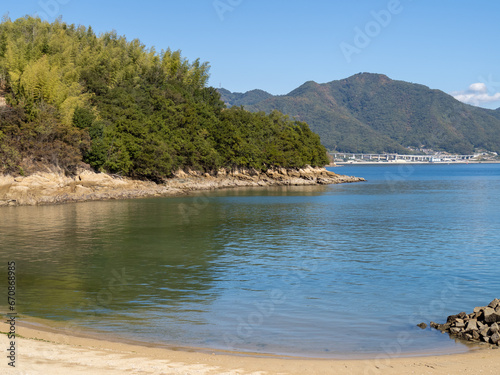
{"x": 413, "y": 163}
{"x": 43, "y": 188}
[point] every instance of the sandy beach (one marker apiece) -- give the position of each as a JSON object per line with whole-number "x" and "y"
{"x": 41, "y": 350}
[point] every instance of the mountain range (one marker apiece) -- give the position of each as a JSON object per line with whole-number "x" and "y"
{"x": 371, "y": 113}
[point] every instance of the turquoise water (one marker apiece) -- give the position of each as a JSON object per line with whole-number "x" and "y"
{"x": 326, "y": 271}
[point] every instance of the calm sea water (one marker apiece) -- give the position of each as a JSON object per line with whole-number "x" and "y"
{"x": 325, "y": 271}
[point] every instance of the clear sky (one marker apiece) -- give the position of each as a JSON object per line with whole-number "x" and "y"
{"x": 451, "y": 45}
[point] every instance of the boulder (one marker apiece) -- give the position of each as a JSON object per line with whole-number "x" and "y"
{"x": 471, "y": 325}
{"x": 442, "y": 327}
{"x": 484, "y": 332}
{"x": 422, "y": 325}
{"x": 491, "y": 316}
{"x": 495, "y": 338}
{"x": 480, "y": 315}
{"x": 494, "y": 328}
{"x": 445, "y": 327}
{"x": 475, "y": 335}
{"x": 494, "y": 304}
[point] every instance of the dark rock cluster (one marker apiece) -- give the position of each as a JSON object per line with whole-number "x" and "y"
{"x": 482, "y": 325}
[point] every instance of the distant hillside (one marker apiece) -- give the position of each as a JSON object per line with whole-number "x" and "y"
{"x": 497, "y": 112}
{"x": 248, "y": 98}
{"x": 373, "y": 113}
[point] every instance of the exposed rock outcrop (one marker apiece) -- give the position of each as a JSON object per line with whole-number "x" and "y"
{"x": 56, "y": 187}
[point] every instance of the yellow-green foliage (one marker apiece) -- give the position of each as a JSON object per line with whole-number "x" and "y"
{"x": 39, "y": 65}
{"x": 124, "y": 108}
{"x": 42, "y": 62}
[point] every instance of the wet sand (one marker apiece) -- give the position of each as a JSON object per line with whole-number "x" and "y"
{"x": 42, "y": 350}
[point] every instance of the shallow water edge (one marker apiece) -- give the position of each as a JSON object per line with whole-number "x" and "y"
{"x": 55, "y": 187}
{"x": 69, "y": 332}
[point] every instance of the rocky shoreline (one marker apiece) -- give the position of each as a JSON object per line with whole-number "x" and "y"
{"x": 55, "y": 187}
{"x": 482, "y": 325}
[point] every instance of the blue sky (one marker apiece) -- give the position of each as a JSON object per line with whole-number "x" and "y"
{"x": 278, "y": 45}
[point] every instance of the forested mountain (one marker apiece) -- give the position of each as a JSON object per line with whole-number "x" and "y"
{"x": 70, "y": 97}
{"x": 248, "y": 98}
{"x": 372, "y": 113}
{"x": 497, "y": 112}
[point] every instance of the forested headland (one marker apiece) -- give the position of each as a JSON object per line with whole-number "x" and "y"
{"x": 71, "y": 98}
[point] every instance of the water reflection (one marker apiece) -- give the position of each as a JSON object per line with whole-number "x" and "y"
{"x": 68, "y": 254}
{"x": 299, "y": 270}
